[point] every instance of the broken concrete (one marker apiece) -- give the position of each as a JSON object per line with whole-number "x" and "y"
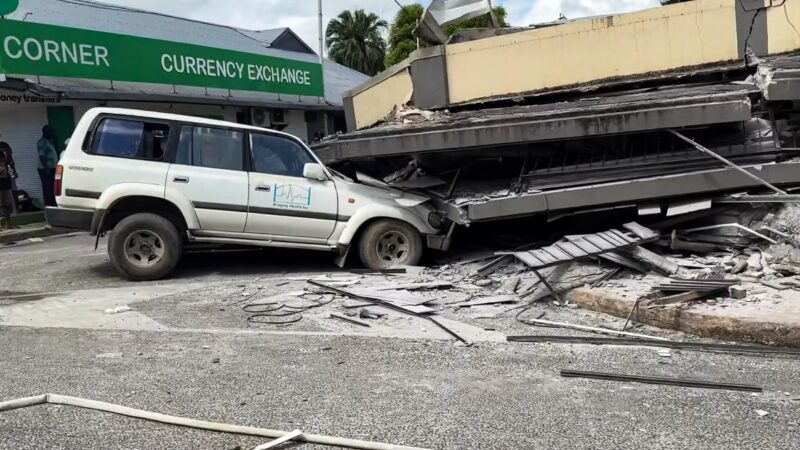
{"x": 768, "y": 324}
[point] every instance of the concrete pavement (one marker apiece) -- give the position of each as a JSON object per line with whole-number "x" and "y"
{"x": 401, "y": 381}
{"x": 423, "y": 393}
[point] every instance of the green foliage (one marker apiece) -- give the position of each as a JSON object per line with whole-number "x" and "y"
{"x": 401, "y": 52}
{"x": 478, "y": 22}
{"x": 354, "y": 40}
{"x": 401, "y": 34}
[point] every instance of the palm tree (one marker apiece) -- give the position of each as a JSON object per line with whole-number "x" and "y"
{"x": 355, "y": 40}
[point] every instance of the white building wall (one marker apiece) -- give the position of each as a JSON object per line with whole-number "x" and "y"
{"x": 297, "y": 124}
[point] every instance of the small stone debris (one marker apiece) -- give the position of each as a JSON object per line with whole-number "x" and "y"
{"x": 510, "y": 285}
{"x": 738, "y": 292}
{"x": 215, "y": 361}
{"x": 119, "y": 310}
{"x": 665, "y": 353}
{"x": 109, "y": 355}
{"x": 761, "y": 413}
{"x": 483, "y": 283}
{"x": 371, "y": 313}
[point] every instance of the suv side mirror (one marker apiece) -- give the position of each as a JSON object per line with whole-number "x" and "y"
{"x": 314, "y": 172}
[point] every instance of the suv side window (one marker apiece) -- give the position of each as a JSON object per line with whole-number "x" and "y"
{"x": 130, "y": 138}
{"x": 215, "y": 148}
{"x": 277, "y": 155}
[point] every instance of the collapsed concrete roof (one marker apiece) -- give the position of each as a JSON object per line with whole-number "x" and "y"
{"x": 622, "y": 112}
{"x": 660, "y": 42}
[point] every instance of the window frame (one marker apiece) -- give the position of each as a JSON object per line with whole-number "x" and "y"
{"x": 245, "y": 145}
{"x": 295, "y": 140}
{"x": 89, "y": 142}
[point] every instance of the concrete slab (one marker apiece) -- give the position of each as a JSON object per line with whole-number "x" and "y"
{"x": 755, "y": 320}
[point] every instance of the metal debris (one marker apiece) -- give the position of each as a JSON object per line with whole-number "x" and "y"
{"x": 659, "y": 380}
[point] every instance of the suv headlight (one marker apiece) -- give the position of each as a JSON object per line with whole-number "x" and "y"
{"x": 435, "y": 219}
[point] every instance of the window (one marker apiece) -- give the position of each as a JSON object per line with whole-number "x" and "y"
{"x": 215, "y": 148}
{"x": 278, "y": 156}
{"x": 126, "y": 138}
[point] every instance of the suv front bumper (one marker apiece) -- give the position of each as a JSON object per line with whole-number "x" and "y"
{"x": 73, "y": 219}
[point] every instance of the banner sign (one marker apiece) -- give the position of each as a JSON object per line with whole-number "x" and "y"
{"x": 28, "y": 48}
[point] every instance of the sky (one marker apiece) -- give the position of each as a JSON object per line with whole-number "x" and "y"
{"x": 301, "y": 15}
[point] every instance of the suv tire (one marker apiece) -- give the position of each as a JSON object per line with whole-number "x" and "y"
{"x": 390, "y": 243}
{"x": 145, "y": 247}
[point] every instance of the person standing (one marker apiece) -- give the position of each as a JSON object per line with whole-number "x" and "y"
{"x": 48, "y": 160}
{"x": 6, "y": 148}
{"x": 7, "y": 174}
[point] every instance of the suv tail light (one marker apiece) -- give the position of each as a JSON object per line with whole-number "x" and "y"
{"x": 59, "y": 177}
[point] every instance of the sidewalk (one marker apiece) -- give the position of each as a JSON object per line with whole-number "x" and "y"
{"x": 771, "y": 318}
{"x": 30, "y": 226}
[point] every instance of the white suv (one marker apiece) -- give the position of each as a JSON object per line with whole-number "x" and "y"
{"x": 159, "y": 182}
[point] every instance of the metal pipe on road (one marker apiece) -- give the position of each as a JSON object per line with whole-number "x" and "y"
{"x": 197, "y": 424}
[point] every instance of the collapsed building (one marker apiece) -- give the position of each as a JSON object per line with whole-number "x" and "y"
{"x": 692, "y": 100}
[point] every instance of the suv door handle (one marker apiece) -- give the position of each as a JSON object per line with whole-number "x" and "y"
{"x": 180, "y": 179}
{"x": 263, "y": 188}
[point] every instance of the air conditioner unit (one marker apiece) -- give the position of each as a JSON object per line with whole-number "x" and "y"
{"x": 260, "y": 117}
{"x": 278, "y": 117}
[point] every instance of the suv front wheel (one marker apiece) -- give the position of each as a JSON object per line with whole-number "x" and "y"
{"x": 145, "y": 247}
{"x": 390, "y": 243}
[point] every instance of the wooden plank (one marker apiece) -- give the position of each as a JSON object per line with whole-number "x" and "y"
{"x": 571, "y": 249}
{"x": 528, "y": 259}
{"x": 642, "y": 232}
{"x": 597, "y": 241}
{"x": 678, "y": 298}
{"x": 610, "y": 237}
{"x": 557, "y": 253}
{"x": 654, "y": 260}
{"x": 630, "y": 263}
{"x": 587, "y": 246}
{"x": 624, "y": 237}
{"x": 544, "y": 257}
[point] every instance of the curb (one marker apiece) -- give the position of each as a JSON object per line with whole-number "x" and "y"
{"x": 705, "y": 325}
{"x": 25, "y": 234}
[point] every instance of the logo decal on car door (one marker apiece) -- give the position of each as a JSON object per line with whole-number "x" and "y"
{"x": 291, "y": 196}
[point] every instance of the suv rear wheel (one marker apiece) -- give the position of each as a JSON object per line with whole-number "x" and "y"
{"x": 145, "y": 247}
{"x": 390, "y": 243}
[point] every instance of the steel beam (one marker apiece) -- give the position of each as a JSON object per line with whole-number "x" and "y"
{"x": 707, "y": 181}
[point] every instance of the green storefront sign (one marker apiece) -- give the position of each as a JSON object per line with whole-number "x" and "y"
{"x": 34, "y": 49}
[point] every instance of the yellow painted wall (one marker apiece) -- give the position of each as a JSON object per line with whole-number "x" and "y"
{"x": 658, "y": 39}
{"x": 784, "y": 27}
{"x": 376, "y": 102}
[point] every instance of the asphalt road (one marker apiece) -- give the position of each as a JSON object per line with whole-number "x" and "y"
{"x": 426, "y": 393}
{"x": 65, "y": 263}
